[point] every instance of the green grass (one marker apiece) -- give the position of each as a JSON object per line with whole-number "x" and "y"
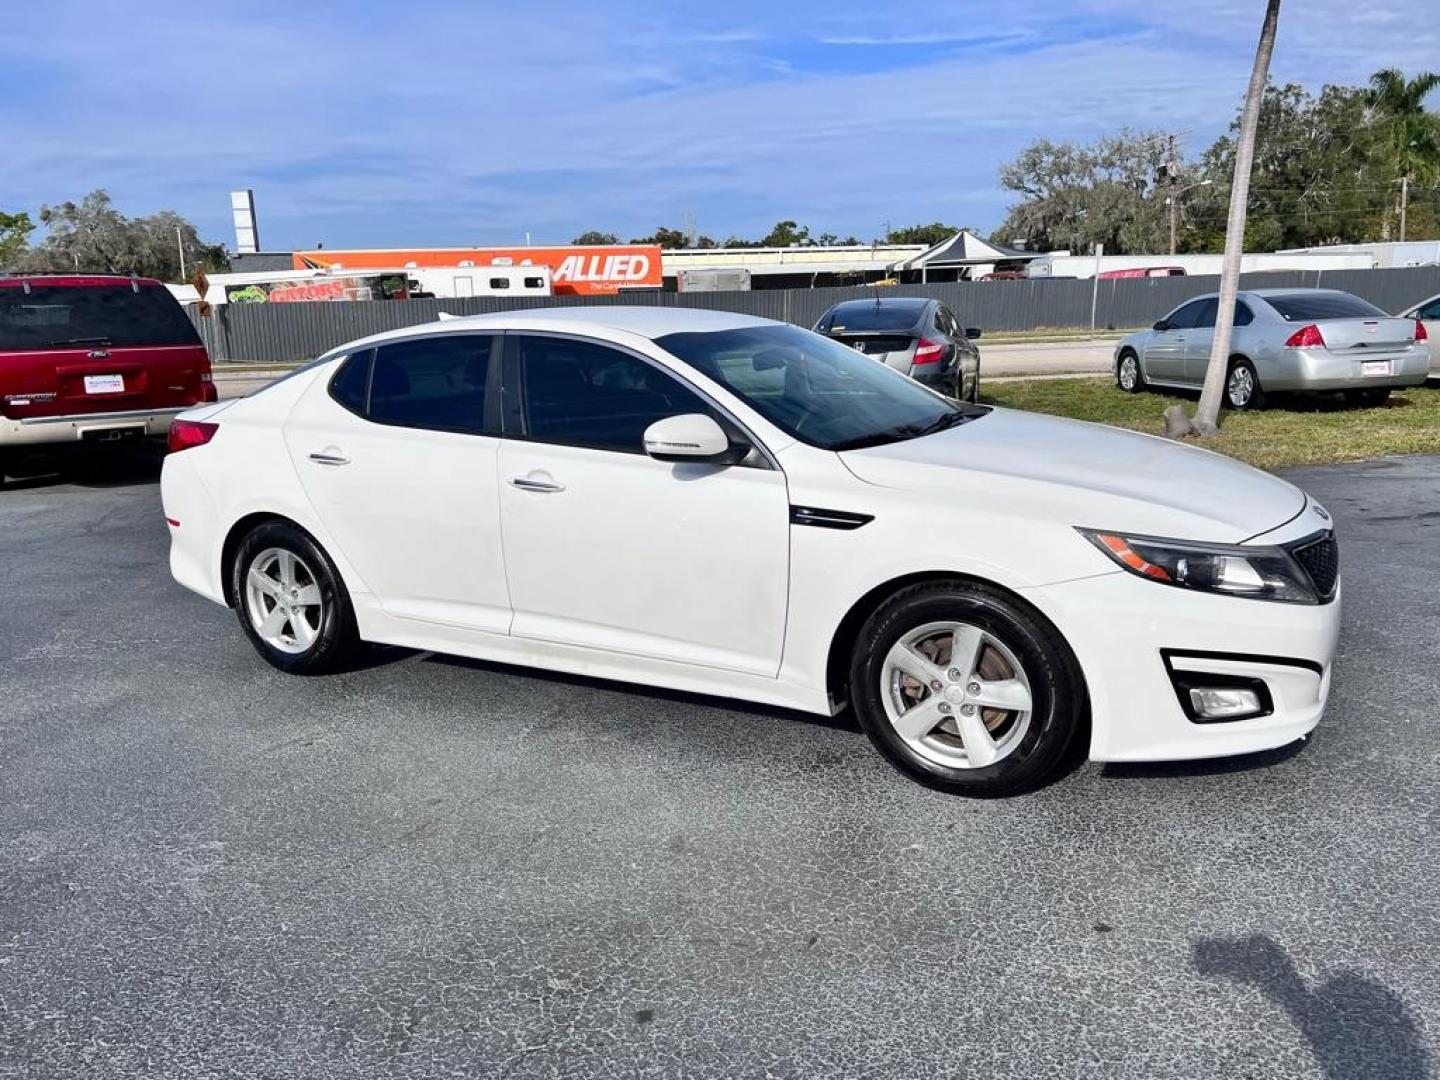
{"x": 1298, "y": 431}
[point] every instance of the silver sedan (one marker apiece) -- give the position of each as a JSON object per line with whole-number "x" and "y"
{"x": 1284, "y": 340}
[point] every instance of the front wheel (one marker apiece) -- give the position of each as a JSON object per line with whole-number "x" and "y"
{"x": 291, "y": 602}
{"x": 966, "y": 690}
{"x": 1128, "y": 375}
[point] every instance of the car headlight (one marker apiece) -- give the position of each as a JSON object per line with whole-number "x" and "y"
{"x": 1260, "y": 573}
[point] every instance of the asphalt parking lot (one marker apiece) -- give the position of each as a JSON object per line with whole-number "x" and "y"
{"x": 441, "y": 868}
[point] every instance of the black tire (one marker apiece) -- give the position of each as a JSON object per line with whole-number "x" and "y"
{"x": 334, "y": 637}
{"x": 975, "y": 386}
{"x": 1059, "y": 706}
{"x": 1123, "y": 372}
{"x": 1242, "y": 387}
{"x": 1371, "y": 398}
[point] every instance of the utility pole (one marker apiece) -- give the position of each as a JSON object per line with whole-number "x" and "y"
{"x": 1172, "y": 172}
{"x": 180, "y": 246}
{"x": 1095, "y": 287}
{"x": 1404, "y": 203}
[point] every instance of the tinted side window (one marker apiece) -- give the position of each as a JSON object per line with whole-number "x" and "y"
{"x": 581, "y": 394}
{"x": 1243, "y": 315}
{"x": 1205, "y": 319}
{"x": 1185, "y": 317}
{"x": 351, "y": 384}
{"x": 432, "y": 382}
{"x": 1430, "y": 310}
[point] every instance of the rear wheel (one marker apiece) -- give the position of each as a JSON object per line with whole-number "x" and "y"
{"x": 965, "y": 690}
{"x": 1242, "y": 387}
{"x": 1370, "y": 398}
{"x": 291, "y": 602}
{"x": 1128, "y": 375}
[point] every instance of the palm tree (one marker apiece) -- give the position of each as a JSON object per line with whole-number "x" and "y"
{"x": 1409, "y": 133}
{"x": 1207, "y": 415}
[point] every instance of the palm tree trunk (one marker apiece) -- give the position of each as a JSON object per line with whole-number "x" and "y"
{"x": 1207, "y": 416}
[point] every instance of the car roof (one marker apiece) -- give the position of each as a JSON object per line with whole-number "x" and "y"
{"x": 598, "y": 319}
{"x": 15, "y": 281}
{"x": 916, "y": 302}
{"x": 1265, "y": 294}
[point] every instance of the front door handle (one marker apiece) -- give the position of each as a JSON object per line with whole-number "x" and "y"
{"x": 330, "y": 459}
{"x": 524, "y": 483}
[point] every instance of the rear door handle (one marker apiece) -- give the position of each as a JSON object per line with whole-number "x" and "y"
{"x": 330, "y": 459}
{"x": 526, "y": 484}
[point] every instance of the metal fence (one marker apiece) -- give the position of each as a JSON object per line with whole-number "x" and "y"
{"x": 288, "y": 332}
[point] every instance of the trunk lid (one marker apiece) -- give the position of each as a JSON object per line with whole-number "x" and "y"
{"x": 893, "y": 349}
{"x": 1345, "y": 335}
{"x": 68, "y": 382}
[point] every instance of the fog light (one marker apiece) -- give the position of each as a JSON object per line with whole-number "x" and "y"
{"x": 1229, "y": 703}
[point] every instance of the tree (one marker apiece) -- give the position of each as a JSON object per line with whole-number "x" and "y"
{"x": 1409, "y": 136}
{"x": 1207, "y": 416}
{"x": 787, "y": 234}
{"x": 92, "y": 235}
{"x": 929, "y": 235}
{"x": 665, "y": 238}
{"x": 1075, "y": 196}
{"x": 15, "y": 230}
{"x": 1315, "y": 179}
{"x": 592, "y": 238}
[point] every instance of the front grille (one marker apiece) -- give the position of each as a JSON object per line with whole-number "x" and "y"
{"x": 1321, "y": 559}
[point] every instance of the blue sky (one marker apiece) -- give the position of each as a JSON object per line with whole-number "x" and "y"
{"x": 438, "y": 122}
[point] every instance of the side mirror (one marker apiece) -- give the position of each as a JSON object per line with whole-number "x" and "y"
{"x": 972, "y": 332}
{"x": 691, "y": 437}
{"x": 1162, "y": 325}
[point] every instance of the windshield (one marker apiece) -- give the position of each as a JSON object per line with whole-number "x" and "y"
{"x": 59, "y": 316}
{"x": 1306, "y": 307}
{"x": 818, "y": 390}
{"x": 868, "y": 315}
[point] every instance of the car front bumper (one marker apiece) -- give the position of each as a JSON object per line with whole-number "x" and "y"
{"x": 1132, "y": 636}
{"x": 80, "y": 427}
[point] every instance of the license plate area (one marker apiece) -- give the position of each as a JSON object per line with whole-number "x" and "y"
{"x": 1373, "y": 368}
{"x": 113, "y": 435}
{"x": 104, "y": 384}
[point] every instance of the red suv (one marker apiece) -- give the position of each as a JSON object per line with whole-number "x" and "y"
{"x": 94, "y": 359}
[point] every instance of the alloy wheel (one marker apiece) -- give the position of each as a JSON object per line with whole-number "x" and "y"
{"x": 1240, "y": 387}
{"x": 282, "y": 598}
{"x": 1129, "y": 372}
{"x": 956, "y": 694}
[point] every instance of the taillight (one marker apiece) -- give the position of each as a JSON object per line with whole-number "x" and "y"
{"x": 185, "y": 434}
{"x": 928, "y": 352}
{"x": 1307, "y": 337}
{"x": 1421, "y": 334}
{"x": 209, "y": 393}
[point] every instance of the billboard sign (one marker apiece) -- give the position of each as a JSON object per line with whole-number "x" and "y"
{"x": 575, "y": 271}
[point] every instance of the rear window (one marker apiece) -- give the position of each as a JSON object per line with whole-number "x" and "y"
{"x": 59, "y": 316}
{"x": 866, "y": 317}
{"x": 1308, "y": 307}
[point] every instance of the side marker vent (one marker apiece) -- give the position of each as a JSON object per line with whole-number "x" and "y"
{"x": 828, "y": 519}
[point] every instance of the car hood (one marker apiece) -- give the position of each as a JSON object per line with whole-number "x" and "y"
{"x": 1030, "y": 465}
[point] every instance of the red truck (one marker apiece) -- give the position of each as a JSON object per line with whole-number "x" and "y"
{"x": 93, "y": 359}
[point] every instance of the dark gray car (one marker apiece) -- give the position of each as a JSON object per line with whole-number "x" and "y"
{"x": 914, "y": 335}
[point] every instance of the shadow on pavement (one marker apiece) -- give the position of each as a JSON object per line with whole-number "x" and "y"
{"x": 94, "y": 469}
{"x": 1357, "y": 1028}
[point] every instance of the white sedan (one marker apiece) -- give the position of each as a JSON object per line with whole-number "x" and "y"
{"x": 727, "y": 505}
